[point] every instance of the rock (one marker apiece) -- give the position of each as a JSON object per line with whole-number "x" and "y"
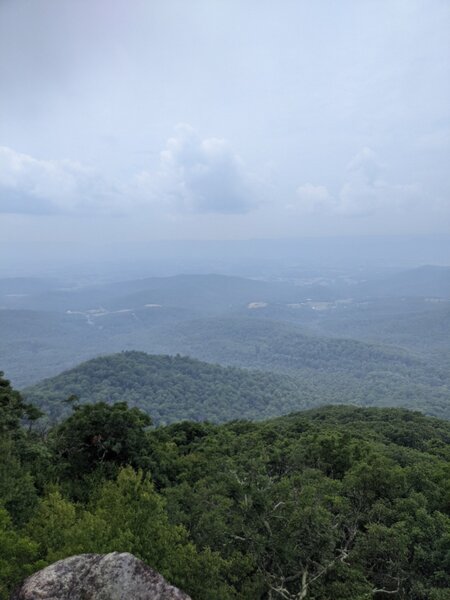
{"x": 115, "y": 576}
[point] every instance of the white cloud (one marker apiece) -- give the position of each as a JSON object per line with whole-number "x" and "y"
{"x": 366, "y": 164}
{"x": 364, "y": 192}
{"x": 194, "y": 176}
{"x": 313, "y": 199}
{"x": 30, "y": 185}
{"x": 199, "y": 176}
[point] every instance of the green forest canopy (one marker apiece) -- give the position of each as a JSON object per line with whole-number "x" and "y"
{"x": 337, "y": 502}
{"x": 172, "y": 388}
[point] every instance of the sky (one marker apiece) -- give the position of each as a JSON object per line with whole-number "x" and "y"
{"x": 141, "y": 120}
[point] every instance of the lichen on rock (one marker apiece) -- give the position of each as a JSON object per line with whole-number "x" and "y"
{"x": 114, "y": 576}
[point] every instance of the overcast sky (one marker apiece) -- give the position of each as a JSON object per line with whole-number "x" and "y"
{"x": 223, "y": 119}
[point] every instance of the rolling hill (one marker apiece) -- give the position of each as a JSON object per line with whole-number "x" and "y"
{"x": 242, "y": 322}
{"x": 296, "y": 371}
{"x": 170, "y": 388}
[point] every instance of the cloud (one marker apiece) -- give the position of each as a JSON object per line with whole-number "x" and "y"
{"x": 33, "y": 186}
{"x": 314, "y": 199}
{"x": 194, "y": 176}
{"x": 199, "y": 176}
{"x": 364, "y": 192}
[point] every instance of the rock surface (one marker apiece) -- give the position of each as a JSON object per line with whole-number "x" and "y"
{"x": 115, "y": 576}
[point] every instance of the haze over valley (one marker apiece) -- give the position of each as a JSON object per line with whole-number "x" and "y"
{"x": 367, "y": 336}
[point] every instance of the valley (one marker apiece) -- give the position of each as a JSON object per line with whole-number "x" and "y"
{"x": 332, "y": 347}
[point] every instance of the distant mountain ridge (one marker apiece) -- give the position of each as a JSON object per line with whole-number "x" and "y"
{"x": 170, "y": 388}
{"x": 213, "y": 293}
{"x": 296, "y": 372}
{"x": 427, "y": 280}
{"x": 47, "y": 328}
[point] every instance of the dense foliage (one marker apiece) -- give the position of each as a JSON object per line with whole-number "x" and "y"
{"x": 172, "y": 388}
{"x": 334, "y": 369}
{"x": 338, "y": 502}
{"x": 312, "y": 371}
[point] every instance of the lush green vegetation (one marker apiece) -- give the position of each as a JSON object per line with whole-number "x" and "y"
{"x": 314, "y": 371}
{"x": 421, "y": 326}
{"x": 171, "y": 388}
{"x": 339, "y": 369}
{"x": 337, "y": 502}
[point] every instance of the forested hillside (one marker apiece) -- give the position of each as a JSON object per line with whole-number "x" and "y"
{"x": 427, "y": 280}
{"x": 48, "y": 326}
{"x": 310, "y": 372}
{"x": 172, "y": 388}
{"x": 338, "y": 503}
{"x": 422, "y": 326}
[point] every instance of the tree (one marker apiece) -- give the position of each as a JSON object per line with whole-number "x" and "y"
{"x": 13, "y": 409}
{"x": 128, "y": 515}
{"x": 20, "y": 453}
{"x": 101, "y": 436}
{"x": 17, "y": 555}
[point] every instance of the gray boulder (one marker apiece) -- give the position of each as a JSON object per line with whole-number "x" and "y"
{"x": 115, "y": 576}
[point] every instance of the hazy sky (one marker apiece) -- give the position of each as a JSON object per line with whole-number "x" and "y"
{"x": 222, "y": 119}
